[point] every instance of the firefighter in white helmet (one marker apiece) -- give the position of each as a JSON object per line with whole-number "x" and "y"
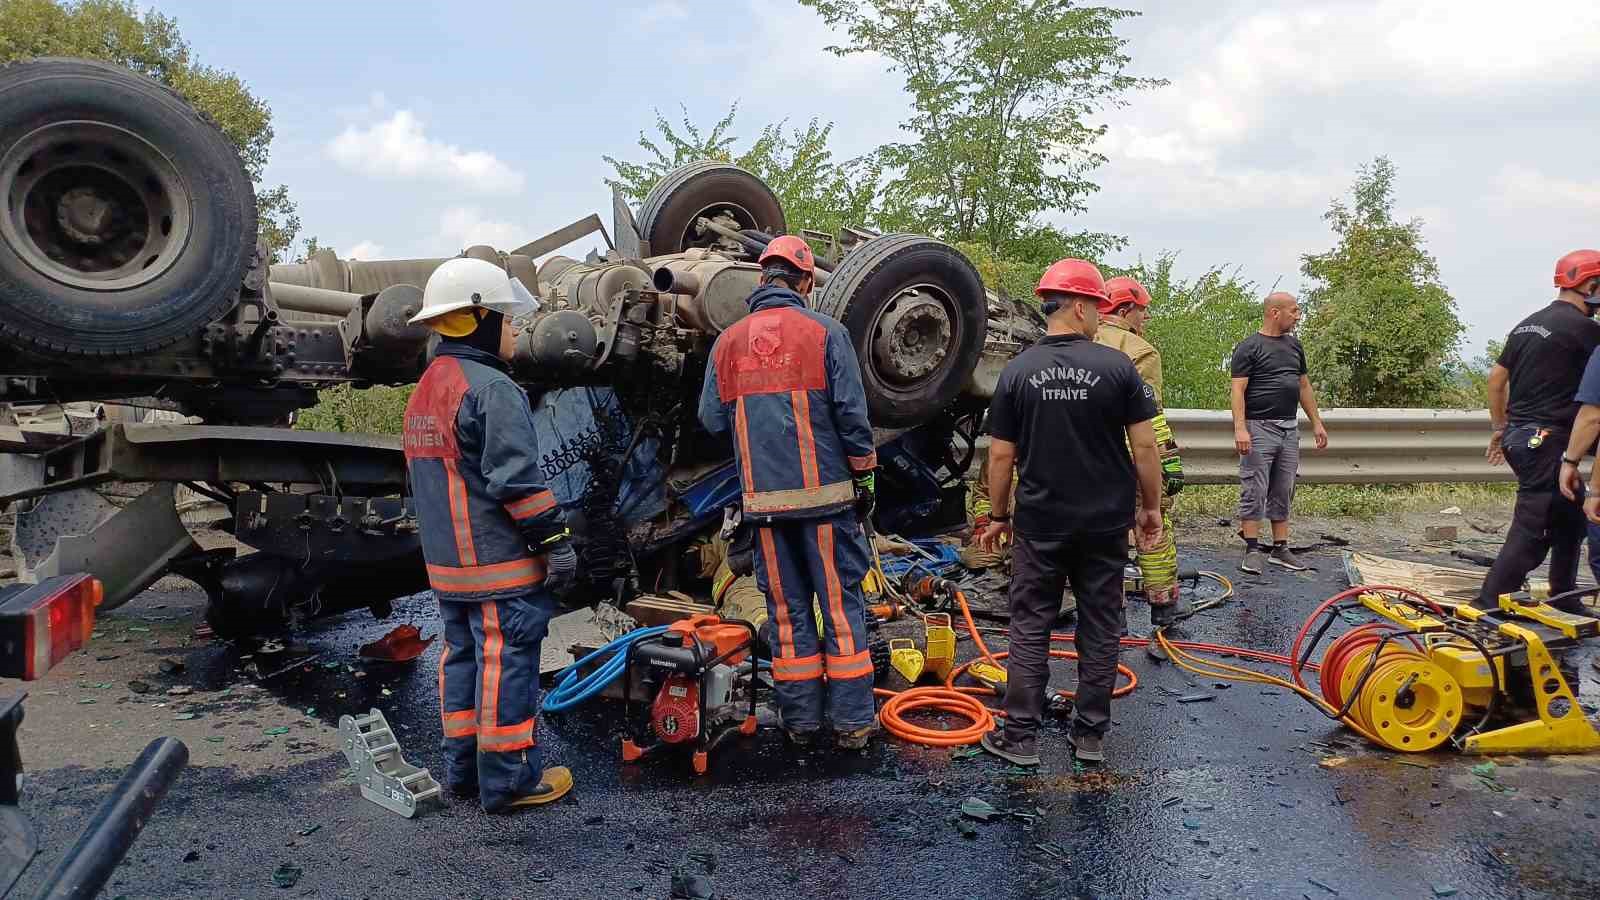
{"x": 493, "y": 536}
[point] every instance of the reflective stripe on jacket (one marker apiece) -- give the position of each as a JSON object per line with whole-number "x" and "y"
{"x": 786, "y": 382}
{"x": 474, "y": 464}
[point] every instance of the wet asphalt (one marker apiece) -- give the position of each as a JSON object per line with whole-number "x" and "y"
{"x": 1219, "y": 798}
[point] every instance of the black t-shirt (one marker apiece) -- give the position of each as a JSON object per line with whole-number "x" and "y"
{"x": 1546, "y": 354}
{"x": 1066, "y": 403}
{"x": 1274, "y": 366}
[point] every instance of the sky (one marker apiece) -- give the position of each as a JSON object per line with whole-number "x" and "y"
{"x": 417, "y": 129}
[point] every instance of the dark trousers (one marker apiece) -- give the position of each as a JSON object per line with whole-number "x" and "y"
{"x": 1542, "y": 522}
{"x": 1093, "y": 565}
{"x": 489, "y": 694}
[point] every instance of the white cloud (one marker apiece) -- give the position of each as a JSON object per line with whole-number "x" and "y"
{"x": 399, "y": 147}
{"x": 463, "y": 226}
{"x": 365, "y": 250}
{"x": 1525, "y": 188}
{"x": 662, "y": 11}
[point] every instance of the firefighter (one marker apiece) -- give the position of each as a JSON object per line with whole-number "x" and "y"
{"x": 785, "y": 381}
{"x": 1123, "y": 315}
{"x": 1532, "y": 407}
{"x": 1072, "y": 509}
{"x": 493, "y": 536}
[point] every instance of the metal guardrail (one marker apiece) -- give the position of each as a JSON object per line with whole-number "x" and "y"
{"x": 1365, "y": 446}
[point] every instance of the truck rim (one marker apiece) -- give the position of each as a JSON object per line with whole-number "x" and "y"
{"x": 93, "y": 206}
{"x": 913, "y": 337}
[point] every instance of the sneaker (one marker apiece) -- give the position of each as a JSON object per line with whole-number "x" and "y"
{"x": 1252, "y": 562}
{"x": 856, "y": 739}
{"x": 1283, "y": 556}
{"x": 1088, "y": 747}
{"x": 996, "y": 743}
{"x": 554, "y": 783}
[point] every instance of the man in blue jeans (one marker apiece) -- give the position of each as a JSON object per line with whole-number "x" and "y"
{"x": 1532, "y": 411}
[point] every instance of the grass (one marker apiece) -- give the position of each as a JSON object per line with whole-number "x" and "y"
{"x": 377, "y": 410}
{"x": 1209, "y": 502}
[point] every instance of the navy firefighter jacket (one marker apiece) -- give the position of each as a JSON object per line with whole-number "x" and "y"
{"x": 786, "y": 382}
{"x": 474, "y": 465}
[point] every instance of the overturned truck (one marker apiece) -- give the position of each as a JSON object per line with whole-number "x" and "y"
{"x": 131, "y": 272}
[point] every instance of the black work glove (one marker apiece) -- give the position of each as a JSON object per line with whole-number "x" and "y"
{"x": 561, "y": 566}
{"x": 866, "y": 484}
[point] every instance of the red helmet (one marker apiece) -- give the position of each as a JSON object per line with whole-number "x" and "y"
{"x": 1123, "y": 290}
{"x": 792, "y": 250}
{"x": 1073, "y": 276}
{"x": 1577, "y": 267}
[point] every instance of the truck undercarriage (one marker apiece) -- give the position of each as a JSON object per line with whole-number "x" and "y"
{"x": 130, "y": 272}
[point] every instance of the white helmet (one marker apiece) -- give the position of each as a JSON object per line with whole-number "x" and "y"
{"x": 466, "y": 283}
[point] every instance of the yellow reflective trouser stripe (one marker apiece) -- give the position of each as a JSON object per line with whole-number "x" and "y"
{"x": 1160, "y": 566}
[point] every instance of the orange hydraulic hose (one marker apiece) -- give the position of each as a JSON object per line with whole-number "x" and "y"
{"x": 962, "y": 701}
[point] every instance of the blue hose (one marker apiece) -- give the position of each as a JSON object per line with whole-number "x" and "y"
{"x": 570, "y": 690}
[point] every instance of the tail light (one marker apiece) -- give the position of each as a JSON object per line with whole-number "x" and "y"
{"x": 40, "y": 624}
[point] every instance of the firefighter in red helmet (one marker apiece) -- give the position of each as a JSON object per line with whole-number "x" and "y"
{"x": 1073, "y": 509}
{"x": 785, "y": 381}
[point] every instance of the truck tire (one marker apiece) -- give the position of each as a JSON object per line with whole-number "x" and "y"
{"x": 128, "y": 219}
{"x": 707, "y": 188}
{"x": 917, "y": 316}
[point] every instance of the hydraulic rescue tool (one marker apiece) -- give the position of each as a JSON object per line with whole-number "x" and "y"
{"x": 1423, "y": 673}
{"x": 697, "y": 667}
{"x": 1410, "y": 679}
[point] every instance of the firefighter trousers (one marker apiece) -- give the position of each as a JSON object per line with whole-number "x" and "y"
{"x": 489, "y": 695}
{"x": 824, "y": 558}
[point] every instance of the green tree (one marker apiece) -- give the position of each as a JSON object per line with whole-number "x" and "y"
{"x": 1195, "y": 325}
{"x": 1002, "y": 95}
{"x": 149, "y": 43}
{"x": 1380, "y": 329}
{"x": 816, "y": 192}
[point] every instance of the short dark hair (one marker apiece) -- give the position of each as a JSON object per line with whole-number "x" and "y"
{"x": 1061, "y": 298}
{"x": 778, "y": 270}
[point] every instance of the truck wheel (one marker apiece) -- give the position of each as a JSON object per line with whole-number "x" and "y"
{"x": 917, "y": 315}
{"x": 128, "y": 218}
{"x": 710, "y": 189}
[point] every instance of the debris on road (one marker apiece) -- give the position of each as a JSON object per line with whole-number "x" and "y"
{"x": 287, "y": 875}
{"x": 982, "y": 810}
{"x": 404, "y": 643}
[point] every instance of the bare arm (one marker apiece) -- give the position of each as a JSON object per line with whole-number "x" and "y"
{"x": 1584, "y": 432}
{"x": 1147, "y": 465}
{"x": 1308, "y": 402}
{"x": 1237, "y": 401}
{"x": 1499, "y": 395}
{"x": 1146, "y": 462}
{"x": 1002, "y": 461}
{"x": 1241, "y": 431}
